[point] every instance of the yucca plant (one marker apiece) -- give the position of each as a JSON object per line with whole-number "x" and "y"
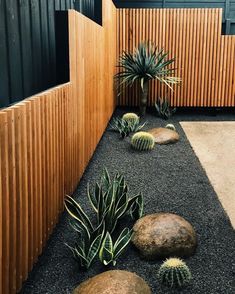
{"x": 110, "y": 201}
{"x": 146, "y": 63}
{"x": 109, "y": 251}
{"x": 125, "y": 127}
{"x": 163, "y": 108}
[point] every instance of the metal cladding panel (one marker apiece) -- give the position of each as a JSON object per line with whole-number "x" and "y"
{"x": 28, "y": 44}
{"x": 227, "y": 5}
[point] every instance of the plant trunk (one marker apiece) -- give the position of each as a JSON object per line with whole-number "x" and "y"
{"x": 143, "y": 98}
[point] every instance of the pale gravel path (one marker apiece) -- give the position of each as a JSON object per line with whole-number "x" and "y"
{"x": 214, "y": 144}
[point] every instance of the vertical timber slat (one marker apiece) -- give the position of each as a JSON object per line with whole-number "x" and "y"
{"x": 193, "y": 37}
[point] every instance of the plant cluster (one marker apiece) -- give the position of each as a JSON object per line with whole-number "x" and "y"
{"x": 163, "y": 108}
{"x": 174, "y": 273}
{"x": 110, "y": 202}
{"x": 126, "y": 125}
{"x": 142, "y": 141}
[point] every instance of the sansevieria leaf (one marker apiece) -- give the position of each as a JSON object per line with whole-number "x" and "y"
{"x": 75, "y": 210}
{"x": 132, "y": 200}
{"x": 93, "y": 197}
{"x": 106, "y": 250}
{"x": 137, "y": 208}
{"x": 79, "y": 254}
{"x": 94, "y": 248}
{"x": 122, "y": 242}
{"x": 105, "y": 179}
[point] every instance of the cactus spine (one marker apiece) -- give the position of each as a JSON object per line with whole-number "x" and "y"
{"x": 142, "y": 141}
{"x": 174, "y": 273}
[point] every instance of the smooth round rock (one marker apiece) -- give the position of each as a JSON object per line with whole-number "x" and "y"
{"x": 164, "y": 135}
{"x": 114, "y": 282}
{"x": 162, "y": 235}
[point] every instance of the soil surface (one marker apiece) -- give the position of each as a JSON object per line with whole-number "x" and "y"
{"x": 171, "y": 179}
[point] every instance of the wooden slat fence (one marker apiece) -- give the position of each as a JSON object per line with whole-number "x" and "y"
{"x": 46, "y": 142}
{"x": 204, "y": 58}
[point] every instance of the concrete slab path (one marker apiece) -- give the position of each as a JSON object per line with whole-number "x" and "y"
{"x": 214, "y": 145}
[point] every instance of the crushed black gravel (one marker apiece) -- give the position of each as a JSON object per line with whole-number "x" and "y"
{"x": 172, "y": 180}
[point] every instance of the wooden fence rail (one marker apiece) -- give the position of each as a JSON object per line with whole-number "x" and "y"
{"x": 204, "y": 58}
{"x": 46, "y": 142}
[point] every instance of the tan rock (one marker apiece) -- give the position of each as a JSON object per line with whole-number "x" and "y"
{"x": 114, "y": 282}
{"x": 162, "y": 235}
{"x": 164, "y": 135}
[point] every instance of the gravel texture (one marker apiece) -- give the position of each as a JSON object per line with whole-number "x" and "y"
{"x": 171, "y": 180}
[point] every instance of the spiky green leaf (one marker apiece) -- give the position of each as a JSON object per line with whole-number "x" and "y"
{"x": 122, "y": 242}
{"x": 106, "y": 250}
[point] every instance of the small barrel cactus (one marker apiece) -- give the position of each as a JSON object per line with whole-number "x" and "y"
{"x": 170, "y": 126}
{"x": 174, "y": 273}
{"x": 131, "y": 117}
{"x": 142, "y": 141}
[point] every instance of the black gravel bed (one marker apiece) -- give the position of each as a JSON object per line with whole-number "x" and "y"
{"x": 171, "y": 179}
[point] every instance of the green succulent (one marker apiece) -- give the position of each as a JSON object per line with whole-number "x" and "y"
{"x": 170, "y": 127}
{"x": 109, "y": 251}
{"x": 124, "y": 126}
{"x": 163, "y": 108}
{"x": 89, "y": 236}
{"x": 110, "y": 202}
{"x": 142, "y": 141}
{"x": 131, "y": 117}
{"x": 147, "y": 62}
{"x": 174, "y": 273}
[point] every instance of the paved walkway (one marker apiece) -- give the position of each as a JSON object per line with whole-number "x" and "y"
{"x": 214, "y": 144}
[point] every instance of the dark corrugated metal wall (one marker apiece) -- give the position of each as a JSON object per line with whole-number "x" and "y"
{"x": 28, "y": 45}
{"x": 227, "y": 5}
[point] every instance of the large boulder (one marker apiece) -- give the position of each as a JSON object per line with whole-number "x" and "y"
{"x": 164, "y": 135}
{"x": 162, "y": 235}
{"x": 114, "y": 282}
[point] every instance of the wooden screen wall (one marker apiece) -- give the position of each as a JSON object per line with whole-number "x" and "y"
{"x": 46, "y": 142}
{"x": 205, "y": 60}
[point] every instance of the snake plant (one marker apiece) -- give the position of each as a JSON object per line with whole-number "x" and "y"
{"x": 110, "y": 202}
{"x": 89, "y": 236}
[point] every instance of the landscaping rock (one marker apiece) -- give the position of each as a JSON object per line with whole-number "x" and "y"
{"x": 114, "y": 282}
{"x": 164, "y": 135}
{"x": 162, "y": 235}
